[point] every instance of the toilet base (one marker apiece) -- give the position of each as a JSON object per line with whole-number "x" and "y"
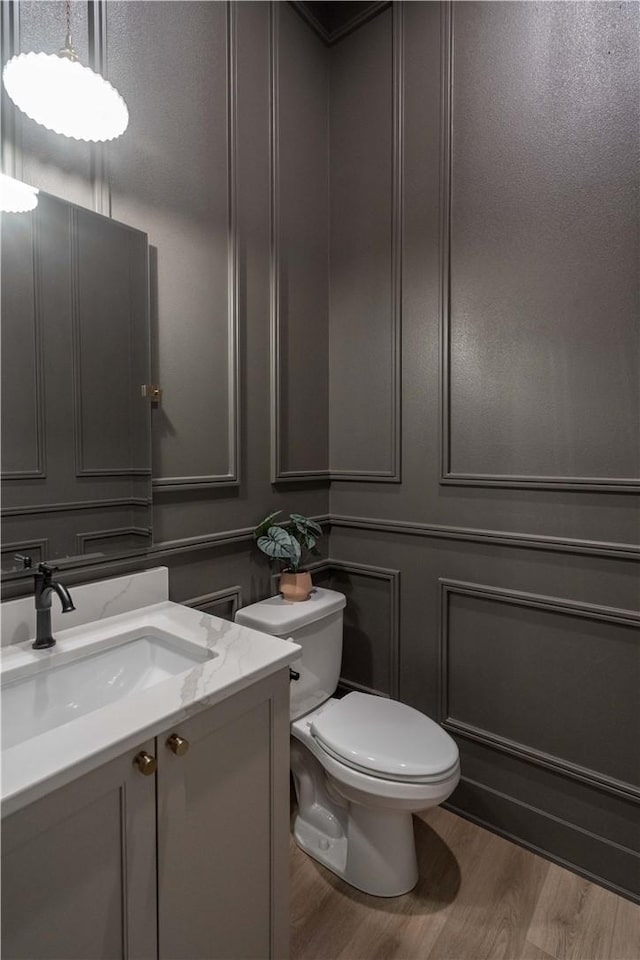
{"x": 358, "y": 826}
{"x": 371, "y": 848}
{"x": 376, "y": 857}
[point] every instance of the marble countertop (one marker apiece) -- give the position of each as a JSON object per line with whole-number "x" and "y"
{"x": 243, "y": 656}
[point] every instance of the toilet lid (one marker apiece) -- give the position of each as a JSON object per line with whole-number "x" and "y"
{"x": 385, "y": 738}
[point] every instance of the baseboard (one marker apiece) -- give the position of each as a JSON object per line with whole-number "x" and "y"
{"x": 599, "y": 860}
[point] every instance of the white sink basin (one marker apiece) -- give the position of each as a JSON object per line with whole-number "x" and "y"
{"x": 64, "y": 686}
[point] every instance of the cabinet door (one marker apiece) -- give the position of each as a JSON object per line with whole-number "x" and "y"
{"x": 223, "y": 811}
{"x": 79, "y": 869}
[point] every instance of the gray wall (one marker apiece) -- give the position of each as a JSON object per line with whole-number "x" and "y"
{"x": 214, "y": 169}
{"x": 76, "y": 467}
{"x": 478, "y": 319}
{"x": 495, "y": 587}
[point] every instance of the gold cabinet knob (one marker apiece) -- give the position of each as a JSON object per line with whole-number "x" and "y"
{"x": 145, "y": 763}
{"x": 178, "y": 745}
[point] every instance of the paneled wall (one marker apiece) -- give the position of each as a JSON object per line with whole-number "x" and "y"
{"x": 366, "y": 138}
{"x": 511, "y": 543}
{"x": 75, "y": 349}
{"x": 228, "y": 108}
{"x": 407, "y": 262}
{"x": 299, "y": 249}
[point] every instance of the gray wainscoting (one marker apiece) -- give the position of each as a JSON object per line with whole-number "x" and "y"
{"x": 519, "y": 644}
{"x": 515, "y": 529}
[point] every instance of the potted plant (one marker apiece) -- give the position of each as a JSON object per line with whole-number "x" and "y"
{"x": 290, "y": 543}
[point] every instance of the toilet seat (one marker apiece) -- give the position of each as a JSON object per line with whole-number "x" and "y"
{"x": 434, "y": 779}
{"x": 385, "y": 739}
{"x": 371, "y": 789}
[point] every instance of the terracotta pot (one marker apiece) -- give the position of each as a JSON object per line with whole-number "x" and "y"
{"x": 295, "y": 586}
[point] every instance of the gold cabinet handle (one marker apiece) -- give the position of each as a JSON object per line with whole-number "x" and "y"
{"x": 145, "y": 763}
{"x": 178, "y": 745}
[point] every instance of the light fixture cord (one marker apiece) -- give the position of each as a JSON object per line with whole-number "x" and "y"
{"x": 67, "y": 51}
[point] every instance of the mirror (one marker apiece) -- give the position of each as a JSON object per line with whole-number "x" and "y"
{"x": 76, "y": 437}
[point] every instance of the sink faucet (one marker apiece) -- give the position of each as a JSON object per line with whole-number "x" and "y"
{"x": 45, "y": 586}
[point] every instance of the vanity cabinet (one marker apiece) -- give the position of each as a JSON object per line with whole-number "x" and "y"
{"x": 79, "y": 868}
{"x": 189, "y": 862}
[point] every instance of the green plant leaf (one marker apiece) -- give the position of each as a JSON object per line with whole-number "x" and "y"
{"x": 306, "y": 526}
{"x": 264, "y": 525}
{"x": 278, "y": 544}
{"x": 296, "y": 555}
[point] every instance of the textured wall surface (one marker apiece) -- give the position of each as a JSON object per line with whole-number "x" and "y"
{"x": 511, "y": 543}
{"x": 195, "y": 172}
{"x": 440, "y": 209}
{"x": 76, "y": 452}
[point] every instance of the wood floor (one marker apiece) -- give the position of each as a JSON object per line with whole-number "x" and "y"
{"x": 479, "y": 898}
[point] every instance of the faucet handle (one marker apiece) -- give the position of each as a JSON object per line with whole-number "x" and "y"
{"x": 26, "y": 562}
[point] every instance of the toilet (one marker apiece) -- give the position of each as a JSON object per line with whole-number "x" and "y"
{"x": 362, "y": 764}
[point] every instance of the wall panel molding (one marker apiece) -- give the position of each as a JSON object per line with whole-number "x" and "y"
{"x": 81, "y": 470}
{"x": 447, "y": 475}
{"x": 204, "y": 541}
{"x": 229, "y": 595}
{"x": 318, "y": 566}
{"x": 513, "y": 748}
{"x": 352, "y": 687}
{"x": 394, "y": 475}
{"x": 543, "y": 825}
{"x": 39, "y": 546}
{"x": 278, "y": 475}
{"x": 232, "y": 476}
{"x": 111, "y": 533}
{"x": 39, "y": 470}
{"x": 392, "y": 578}
{"x": 73, "y": 505}
{"x": 600, "y": 548}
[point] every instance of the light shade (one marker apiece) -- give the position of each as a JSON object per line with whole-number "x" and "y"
{"x": 16, "y": 196}
{"x": 65, "y": 97}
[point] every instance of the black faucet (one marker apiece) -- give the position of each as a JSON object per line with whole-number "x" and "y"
{"x": 45, "y": 586}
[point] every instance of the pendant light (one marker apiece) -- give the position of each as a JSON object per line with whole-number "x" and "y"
{"x": 59, "y": 93}
{"x": 16, "y": 196}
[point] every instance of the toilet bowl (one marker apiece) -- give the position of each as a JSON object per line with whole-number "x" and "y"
{"x": 362, "y": 764}
{"x": 358, "y": 821}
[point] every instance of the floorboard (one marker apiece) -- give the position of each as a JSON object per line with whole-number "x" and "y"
{"x": 480, "y": 897}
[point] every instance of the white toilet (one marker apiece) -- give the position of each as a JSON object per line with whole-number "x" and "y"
{"x": 361, "y": 764}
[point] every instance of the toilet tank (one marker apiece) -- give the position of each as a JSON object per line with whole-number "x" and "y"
{"x": 315, "y": 624}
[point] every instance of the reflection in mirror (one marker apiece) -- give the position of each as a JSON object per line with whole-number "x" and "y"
{"x": 76, "y": 464}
